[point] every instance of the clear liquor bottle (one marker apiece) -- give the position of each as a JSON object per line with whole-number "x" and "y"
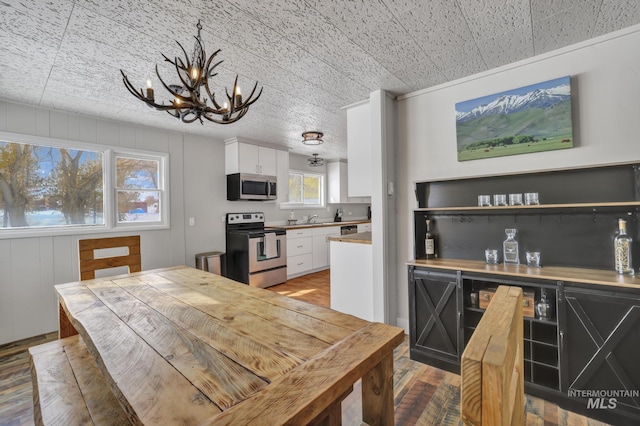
{"x": 622, "y": 249}
{"x": 510, "y": 248}
{"x": 430, "y": 242}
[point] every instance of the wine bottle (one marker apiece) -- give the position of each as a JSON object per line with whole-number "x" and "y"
{"x": 622, "y": 249}
{"x": 430, "y": 242}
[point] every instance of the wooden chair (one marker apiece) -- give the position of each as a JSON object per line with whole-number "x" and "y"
{"x": 89, "y": 264}
{"x": 492, "y": 382}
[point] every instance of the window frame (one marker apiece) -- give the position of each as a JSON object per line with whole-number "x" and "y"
{"x": 108, "y": 175}
{"x": 301, "y": 206}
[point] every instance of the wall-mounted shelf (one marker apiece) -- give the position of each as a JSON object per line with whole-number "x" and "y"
{"x": 619, "y": 206}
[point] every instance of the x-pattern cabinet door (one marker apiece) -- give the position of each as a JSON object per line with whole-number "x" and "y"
{"x": 601, "y": 343}
{"x": 435, "y": 323}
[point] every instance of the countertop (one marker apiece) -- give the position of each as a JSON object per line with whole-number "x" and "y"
{"x": 322, "y": 224}
{"x": 361, "y": 238}
{"x": 554, "y": 273}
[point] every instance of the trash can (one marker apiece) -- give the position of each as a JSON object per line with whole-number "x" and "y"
{"x": 213, "y": 261}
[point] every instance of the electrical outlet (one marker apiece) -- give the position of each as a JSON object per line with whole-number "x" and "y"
{"x": 192, "y": 221}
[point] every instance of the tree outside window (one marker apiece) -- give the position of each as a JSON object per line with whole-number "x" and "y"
{"x": 44, "y": 186}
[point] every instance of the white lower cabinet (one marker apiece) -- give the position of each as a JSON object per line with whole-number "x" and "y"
{"x": 298, "y": 265}
{"x": 308, "y": 249}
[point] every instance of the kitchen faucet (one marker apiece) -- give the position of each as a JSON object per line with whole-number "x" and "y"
{"x": 310, "y": 218}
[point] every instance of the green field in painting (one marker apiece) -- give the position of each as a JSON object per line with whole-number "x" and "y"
{"x": 525, "y": 148}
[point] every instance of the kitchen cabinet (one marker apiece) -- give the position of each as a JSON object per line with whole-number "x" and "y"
{"x": 321, "y": 245}
{"x": 600, "y": 333}
{"x": 282, "y": 163}
{"x": 243, "y": 157}
{"x": 337, "y": 184}
{"x": 308, "y": 249}
{"x": 591, "y": 343}
{"x": 359, "y": 150}
{"x": 434, "y": 318}
{"x": 352, "y": 290}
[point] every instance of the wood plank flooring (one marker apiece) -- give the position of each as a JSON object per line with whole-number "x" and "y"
{"x": 423, "y": 395}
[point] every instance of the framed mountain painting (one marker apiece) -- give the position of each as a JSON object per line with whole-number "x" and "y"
{"x": 529, "y": 119}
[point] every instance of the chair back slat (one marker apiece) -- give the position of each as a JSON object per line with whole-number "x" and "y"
{"x": 89, "y": 264}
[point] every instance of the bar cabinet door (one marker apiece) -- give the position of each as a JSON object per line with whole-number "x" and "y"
{"x": 600, "y": 340}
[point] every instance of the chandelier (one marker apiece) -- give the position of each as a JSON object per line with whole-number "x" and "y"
{"x": 315, "y": 161}
{"x": 312, "y": 138}
{"x": 192, "y": 95}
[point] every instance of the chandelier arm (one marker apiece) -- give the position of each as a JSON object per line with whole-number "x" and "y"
{"x": 211, "y": 60}
{"x": 204, "y": 54}
{"x": 186, "y": 56}
{"x": 183, "y": 81}
{"x": 249, "y": 101}
{"x": 212, "y": 96}
{"x": 140, "y": 95}
{"x": 232, "y": 99}
{"x": 166, "y": 86}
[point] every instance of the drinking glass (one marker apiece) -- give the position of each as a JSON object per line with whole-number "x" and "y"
{"x": 499, "y": 199}
{"x": 533, "y": 259}
{"x": 515, "y": 199}
{"x": 491, "y": 256}
{"x": 484, "y": 201}
{"x": 531, "y": 199}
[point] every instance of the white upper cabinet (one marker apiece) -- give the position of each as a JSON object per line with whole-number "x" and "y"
{"x": 337, "y": 184}
{"x": 282, "y": 161}
{"x": 243, "y": 157}
{"x": 359, "y": 150}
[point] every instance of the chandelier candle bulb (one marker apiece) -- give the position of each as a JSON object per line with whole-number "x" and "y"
{"x": 149, "y": 90}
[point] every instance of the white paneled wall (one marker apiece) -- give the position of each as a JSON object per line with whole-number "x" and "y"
{"x": 605, "y": 92}
{"x": 30, "y": 267}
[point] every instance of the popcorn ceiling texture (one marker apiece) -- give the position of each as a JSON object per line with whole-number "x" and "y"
{"x": 312, "y": 56}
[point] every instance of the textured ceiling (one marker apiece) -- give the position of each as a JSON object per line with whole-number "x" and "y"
{"x": 312, "y": 57}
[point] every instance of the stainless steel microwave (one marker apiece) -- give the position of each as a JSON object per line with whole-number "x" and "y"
{"x": 244, "y": 186}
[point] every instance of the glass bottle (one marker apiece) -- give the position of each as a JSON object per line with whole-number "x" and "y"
{"x": 510, "y": 248}
{"x": 430, "y": 242}
{"x": 622, "y": 249}
{"x": 544, "y": 308}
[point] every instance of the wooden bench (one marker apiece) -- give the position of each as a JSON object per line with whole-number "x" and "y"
{"x": 68, "y": 388}
{"x": 492, "y": 382}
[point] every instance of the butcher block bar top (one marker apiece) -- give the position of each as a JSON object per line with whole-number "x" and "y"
{"x": 555, "y": 273}
{"x": 182, "y": 346}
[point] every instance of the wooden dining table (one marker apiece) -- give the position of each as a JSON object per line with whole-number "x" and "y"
{"x": 179, "y": 345}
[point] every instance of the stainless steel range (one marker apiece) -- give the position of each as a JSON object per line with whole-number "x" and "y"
{"x": 255, "y": 255}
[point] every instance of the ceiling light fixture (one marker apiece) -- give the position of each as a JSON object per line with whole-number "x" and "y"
{"x": 312, "y": 138}
{"x": 191, "y": 96}
{"x": 315, "y": 161}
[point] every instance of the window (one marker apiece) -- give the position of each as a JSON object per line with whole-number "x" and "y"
{"x": 52, "y": 186}
{"x": 305, "y": 189}
{"x": 138, "y": 189}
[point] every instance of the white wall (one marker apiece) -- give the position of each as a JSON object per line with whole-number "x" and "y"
{"x": 30, "y": 267}
{"x": 606, "y": 118}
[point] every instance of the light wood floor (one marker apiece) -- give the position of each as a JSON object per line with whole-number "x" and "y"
{"x": 424, "y": 395}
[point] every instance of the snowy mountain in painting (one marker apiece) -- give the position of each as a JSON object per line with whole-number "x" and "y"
{"x": 507, "y": 104}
